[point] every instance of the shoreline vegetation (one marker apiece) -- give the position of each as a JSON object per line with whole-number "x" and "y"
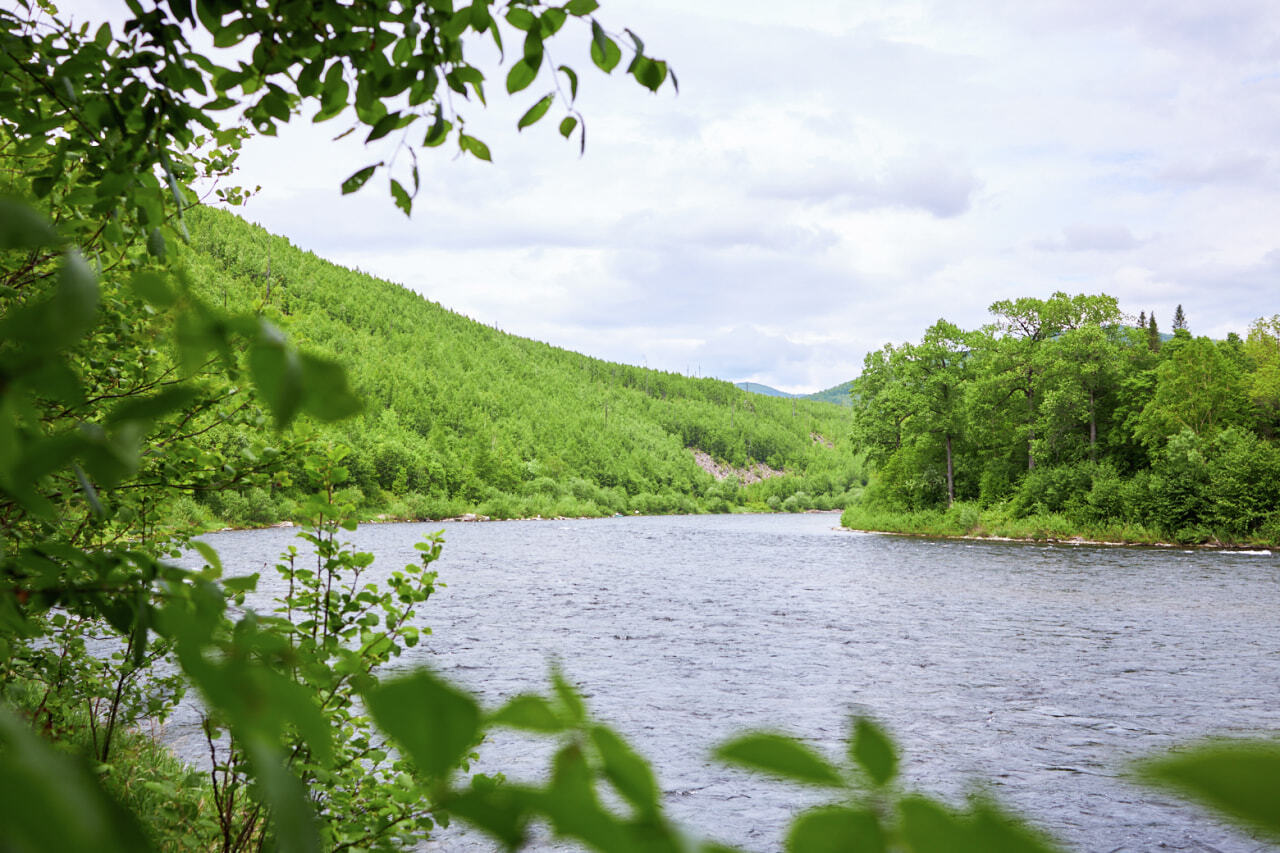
{"x": 969, "y": 522}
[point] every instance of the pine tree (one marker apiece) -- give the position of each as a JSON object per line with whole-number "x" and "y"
{"x": 1153, "y": 333}
{"x": 1142, "y": 319}
{"x": 1179, "y": 319}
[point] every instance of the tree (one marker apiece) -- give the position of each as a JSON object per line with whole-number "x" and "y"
{"x": 1179, "y": 319}
{"x": 1153, "y": 333}
{"x": 1198, "y": 389}
{"x": 120, "y": 385}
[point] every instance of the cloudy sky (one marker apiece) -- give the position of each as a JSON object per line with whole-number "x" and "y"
{"x": 836, "y": 175}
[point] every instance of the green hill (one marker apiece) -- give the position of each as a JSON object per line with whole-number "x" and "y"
{"x": 837, "y": 394}
{"x": 460, "y": 416}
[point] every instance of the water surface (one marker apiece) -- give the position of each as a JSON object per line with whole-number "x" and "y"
{"x": 1038, "y": 671}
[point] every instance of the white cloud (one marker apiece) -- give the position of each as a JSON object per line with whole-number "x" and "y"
{"x": 837, "y": 179}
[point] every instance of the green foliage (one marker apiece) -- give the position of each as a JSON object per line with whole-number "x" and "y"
{"x": 1057, "y": 411}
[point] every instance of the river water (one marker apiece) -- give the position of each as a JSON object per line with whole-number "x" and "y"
{"x": 1038, "y": 672}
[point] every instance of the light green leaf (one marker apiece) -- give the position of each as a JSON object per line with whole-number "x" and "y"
{"x": 475, "y": 147}
{"x": 628, "y": 772}
{"x": 532, "y": 713}
{"x": 605, "y": 52}
{"x": 520, "y": 76}
{"x": 432, "y": 720}
{"x": 326, "y": 395}
{"x": 153, "y": 287}
{"x": 210, "y": 556}
{"x": 780, "y": 756}
{"x": 567, "y": 124}
{"x": 835, "y": 829}
{"x": 536, "y": 112}
{"x": 1240, "y": 779}
{"x": 873, "y": 751}
{"x": 581, "y": 7}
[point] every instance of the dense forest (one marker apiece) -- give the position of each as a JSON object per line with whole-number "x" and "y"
{"x": 459, "y": 416}
{"x": 1062, "y": 417}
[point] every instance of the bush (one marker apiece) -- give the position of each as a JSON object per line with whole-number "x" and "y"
{"x": 774, "y": 503}
{"x": 797, "y": 502}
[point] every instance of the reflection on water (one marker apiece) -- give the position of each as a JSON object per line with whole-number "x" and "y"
{"x": 1038, "y": 671}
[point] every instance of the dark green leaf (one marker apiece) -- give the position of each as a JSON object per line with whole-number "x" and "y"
{"x": 401, "y": 197}
{"x": 573, "y": 81}
{"x": 23, "y": 228}
{"x": 1240, "y": 779}
{"x": 873, "y": 751}
{"x": 781, "y": 756}
{"x": 384, "y": 125}
{"x": 835, "y": 829}
{"x": 49, "y": 802}
{"x": 358, "y": 180}
{"x": 432, "y": 720}
{"x": 536, "y": 111}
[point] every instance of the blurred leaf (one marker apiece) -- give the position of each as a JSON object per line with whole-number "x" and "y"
{"x": 873, "y": 751}
{"x": 570, "y": 701}
{"x": 326, "y": 394}
{"x": 835, "y": 829}
{"x": 152, "y": 287}
{"x": 432, "y": 720}
{"x": 209, "y": 554}
{"x": 781, "y": 756}
{"x": 49, "y": 802}
{"x": 292, "y": 819}
{"x": 998, "y": 832}
{"x": 1240, "y": 779}
{"x": 21, "y": 227}
{"x": 277, "y": 373}
{"x": 152, "y": 406}
{"x": 532, "y": 713}
{"x": 246, "y": 583}
{"x": 629, "y": 773}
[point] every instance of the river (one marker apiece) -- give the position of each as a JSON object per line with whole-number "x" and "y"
{"x": 1037, "y": 671}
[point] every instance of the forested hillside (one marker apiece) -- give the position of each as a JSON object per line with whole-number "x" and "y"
{"x": 462, "y": 417}
{"x": 1061, "y": 418}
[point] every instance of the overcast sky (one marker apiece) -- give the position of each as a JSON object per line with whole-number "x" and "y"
{"x": 836, "y": 175}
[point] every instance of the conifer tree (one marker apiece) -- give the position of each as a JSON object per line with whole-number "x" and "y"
{"x": 1142, "y": 319}
{"x": 1153, "y": 333}
{"x": 1179, "y": 319}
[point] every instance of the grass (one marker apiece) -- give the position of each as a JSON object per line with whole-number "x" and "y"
{"x": 972, "y": 520}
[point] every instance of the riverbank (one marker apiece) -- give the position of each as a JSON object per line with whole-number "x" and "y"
{"x": 969, "y": 521}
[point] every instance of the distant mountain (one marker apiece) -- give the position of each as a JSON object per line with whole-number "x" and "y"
{"x": 757, "y": 388}
{"x": 838, "y": 394}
